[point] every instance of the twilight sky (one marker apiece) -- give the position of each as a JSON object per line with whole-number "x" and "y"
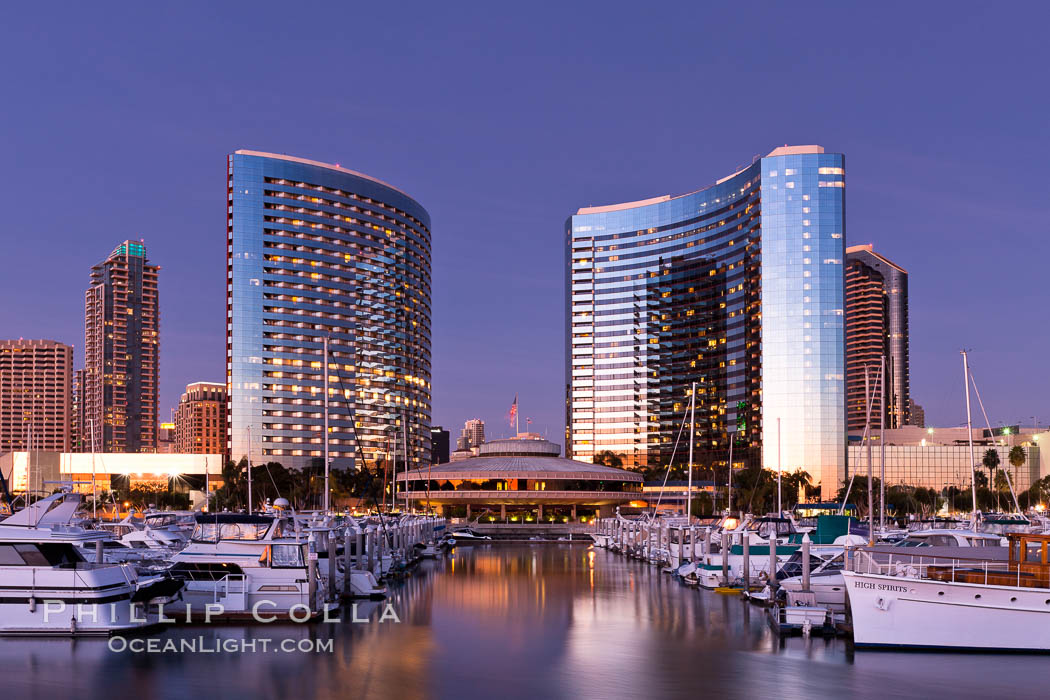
{"x": 503, "y": 120}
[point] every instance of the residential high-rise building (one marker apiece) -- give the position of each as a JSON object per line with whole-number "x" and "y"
{"x": 81, "y": 432}
{"x": 916, "y": 414}
{"x": 738, "y": 288}
{"x": 439, "y": 445}
{"x": 121, "y": 352}
{"x": 876, "y": 327}
{"x": 317, "y": 251}
{"x": 472, "y": 435}
{"x": 166, "y": 438}
{"x": 200, "y": 419}
{"x": 35, "y": 395}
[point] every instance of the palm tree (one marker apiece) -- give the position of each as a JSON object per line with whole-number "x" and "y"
{"x": 795, "y": 482}
{"x": 609, "y": 459}
{"x": 1017, "y": 458}
{"x": 991, "y": 463}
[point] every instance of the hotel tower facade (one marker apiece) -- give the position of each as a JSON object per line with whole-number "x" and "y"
{"x": 876, "y": 327}
{"x": 313, "y": 251}
{"x": 737, "y": 287}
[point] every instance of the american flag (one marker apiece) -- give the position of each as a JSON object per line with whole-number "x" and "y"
{"x": 513, "y": 411}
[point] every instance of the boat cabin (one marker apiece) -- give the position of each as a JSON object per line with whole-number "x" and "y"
{"x": 949, "y": 538}
{"x": 1028, "y": 565}
{"x": 768, "y": 527}
{"x": 213, "y": 527}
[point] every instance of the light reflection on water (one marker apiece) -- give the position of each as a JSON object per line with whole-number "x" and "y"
{"x": 508, "y": 621}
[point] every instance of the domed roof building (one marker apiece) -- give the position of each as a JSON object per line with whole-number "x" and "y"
{"x": 521, "y": 479}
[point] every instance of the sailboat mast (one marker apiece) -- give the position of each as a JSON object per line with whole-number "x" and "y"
{"x": 780, "y": 503}
{"x": 867, "y": 433}
{"x": 404, "y": 443}
{"x": 969, "y": 432}
{"x": 327, "y": 462}
{"x": 882, "y": 449}
{"x": 94, "y": 496}
{"x": 249, "y": 470}
{"x": 729, "y": 485}
{"x": 692, "y": 434}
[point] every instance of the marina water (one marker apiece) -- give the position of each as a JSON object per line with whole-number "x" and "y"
{"x": 507, "y": 621}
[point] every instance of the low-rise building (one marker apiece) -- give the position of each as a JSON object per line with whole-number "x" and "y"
{"x": 938, "y": 458}
{"x": 44, "y": 471}
{"x": 520, "y": 480}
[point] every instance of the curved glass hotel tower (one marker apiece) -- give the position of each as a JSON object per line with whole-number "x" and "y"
{"x": 737, "y": 287}
{"x": 313, "y": 251}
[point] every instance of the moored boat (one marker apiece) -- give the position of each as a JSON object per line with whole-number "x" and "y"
{"x": 246, "y": 567}
{"x": 961, "y": 604}
{"x": 51, "y": 589}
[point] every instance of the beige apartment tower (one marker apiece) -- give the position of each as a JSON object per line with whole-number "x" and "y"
{"x": 200, "y": 419}
{"x": 35, "y": 395}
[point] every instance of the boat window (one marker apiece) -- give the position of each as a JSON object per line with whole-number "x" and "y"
{"x": 243, "y": 531}
{"x": 983, "y": 542}
{"x": 205, "y": 532}
{"x": 287, "y": 556}
{"x": 9, "y": 557}
{"x": 836, "y": 563}
{"x": 204, "y": 571}
{"x": 31, "y": 555}
{"x": 58, "y": 553}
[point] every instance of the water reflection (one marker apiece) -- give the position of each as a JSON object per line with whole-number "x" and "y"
{"x": 536, "y": 621}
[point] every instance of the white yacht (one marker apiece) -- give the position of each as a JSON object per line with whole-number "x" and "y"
{"x": 363, "y": 583}
{"x": 969, "y": 604}
{"x": 829, "y": 586}
{"x": 761, "y": 534}
{"x": 465, "y": 536}
{"x": 135, "y": 545}
{"x": 178, "y": 524}
{"x": 245, "y": 567}
{"x": 50, "y": 589}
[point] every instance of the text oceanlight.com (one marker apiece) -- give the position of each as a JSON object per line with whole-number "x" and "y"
{"x": 202, "y": 645}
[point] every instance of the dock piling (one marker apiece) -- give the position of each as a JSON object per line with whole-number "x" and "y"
{"x": 746, "y": 570}
{"x": 805, "y": 563}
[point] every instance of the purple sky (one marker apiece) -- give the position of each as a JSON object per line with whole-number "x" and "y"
{"x": 501, "y": 122}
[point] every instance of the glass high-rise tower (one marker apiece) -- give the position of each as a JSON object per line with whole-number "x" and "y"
{"x": 737, "y": 287}
{"x": 876, "y": 327}
{"x": 317, "y": 251}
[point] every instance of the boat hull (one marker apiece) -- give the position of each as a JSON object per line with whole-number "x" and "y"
{"x": 910, "y": 613}
{"x": 829, "y": 589}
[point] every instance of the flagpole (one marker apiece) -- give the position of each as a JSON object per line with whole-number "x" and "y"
{"x": 517, "y": 412}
